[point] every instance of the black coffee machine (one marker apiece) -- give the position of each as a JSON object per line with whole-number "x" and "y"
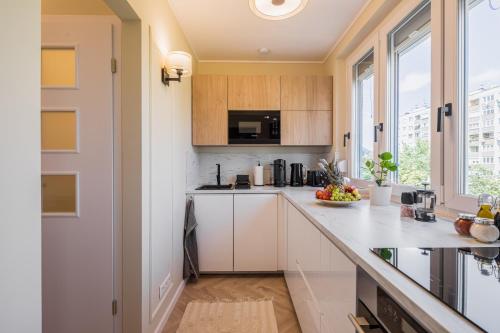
{"x": 279, "y": 173}
{"x": 297, "y": 175}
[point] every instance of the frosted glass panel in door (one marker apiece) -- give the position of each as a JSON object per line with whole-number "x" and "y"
{"x": 59, "y": 194}
{"x": 59, "y": 67}
{"x": 59, "y": 131}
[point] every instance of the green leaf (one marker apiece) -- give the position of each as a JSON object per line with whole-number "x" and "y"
{"x": 369, "y": 164}
{"x": 393, "y": 167}
{"x": 386, "y": 156}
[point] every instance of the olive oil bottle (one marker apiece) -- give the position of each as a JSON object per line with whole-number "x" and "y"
{"x": 485, "y": 203}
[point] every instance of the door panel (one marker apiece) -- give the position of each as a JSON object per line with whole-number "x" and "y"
{"x": 214, "y": 214}
{"x": 306, "y": 93}
{"x": 210, "y": 110}
{"x": 77, "y": 251}
{"x": 253, "y": 92}
{"x": 306, "y": 128}
{"x": 255, "y": 232}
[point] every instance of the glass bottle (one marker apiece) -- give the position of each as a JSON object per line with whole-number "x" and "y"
{"x": 485, "y": 203}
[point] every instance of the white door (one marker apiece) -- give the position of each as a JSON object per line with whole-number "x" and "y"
{"x": 77, "y": 176}
{"x": 255, "y": 232}
{"x": 214, "y": 214}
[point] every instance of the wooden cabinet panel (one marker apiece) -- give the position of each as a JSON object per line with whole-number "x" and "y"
{"x": 306, "y": 128}
{"x": 210, "y": 110}
{"x": 214, "y": 214}
{"x": 306, "y": 93}
{"x": 255, "y": 232}
{"x": 254, "y": 92}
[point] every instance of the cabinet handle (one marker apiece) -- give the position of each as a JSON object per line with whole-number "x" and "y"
{"x": 355, "y": 321}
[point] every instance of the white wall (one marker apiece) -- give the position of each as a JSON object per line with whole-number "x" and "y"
{"x": 156, "y": 132}
{"x": 20, "y": 231}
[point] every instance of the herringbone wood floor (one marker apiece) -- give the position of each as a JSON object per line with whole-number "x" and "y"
{"x": 231, "y": 287}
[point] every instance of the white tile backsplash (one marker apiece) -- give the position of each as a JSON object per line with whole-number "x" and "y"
{"x": 241, "y": 160}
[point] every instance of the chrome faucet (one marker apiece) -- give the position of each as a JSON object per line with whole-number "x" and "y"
{"x": 218, "y": 174}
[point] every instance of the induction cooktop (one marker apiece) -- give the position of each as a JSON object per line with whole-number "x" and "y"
{"x": 466, "y": 279}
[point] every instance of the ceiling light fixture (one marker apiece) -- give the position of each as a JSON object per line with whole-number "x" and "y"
{"x": 277, "y": 9}
{"x": 264, "y": 50}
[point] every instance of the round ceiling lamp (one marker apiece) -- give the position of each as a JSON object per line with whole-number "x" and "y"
{"x": 277, "y": 9}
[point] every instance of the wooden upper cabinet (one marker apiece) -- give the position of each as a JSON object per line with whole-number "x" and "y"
{"x": 210, "y": 110}
{"x": 306, "y": 93}
{"x": 253, "y": 92}
{"x": 306, "y": 128}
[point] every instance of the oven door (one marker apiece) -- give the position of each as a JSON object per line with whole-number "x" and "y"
{"x": 377, "y": 311}
{"x": 254, "y": 127}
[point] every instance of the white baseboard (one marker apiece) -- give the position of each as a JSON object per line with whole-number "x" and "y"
{"x": 170, "y": 308}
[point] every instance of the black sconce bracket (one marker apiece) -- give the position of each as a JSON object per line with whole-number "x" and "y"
{"x": 165, "y": 77}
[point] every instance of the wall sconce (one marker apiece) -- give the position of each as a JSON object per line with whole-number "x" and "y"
{"x": 177, "y": 64}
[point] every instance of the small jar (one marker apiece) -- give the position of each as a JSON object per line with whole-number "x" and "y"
{"x": 484, "y": 230}
{"x": 463, "y": 223}
{"x": 407, "y": 205}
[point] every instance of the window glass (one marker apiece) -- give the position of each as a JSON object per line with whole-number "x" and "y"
{"x": 59, "y": 130}
{"x": 411, "y": 97}
{"x": 58, "y": 67}
{"x": 480, "y": 109}
{"x": 364, "y": 109}
{"x": 59, "y": 194}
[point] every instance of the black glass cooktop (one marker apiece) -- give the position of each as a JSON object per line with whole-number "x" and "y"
{"x": 466, "y": 279}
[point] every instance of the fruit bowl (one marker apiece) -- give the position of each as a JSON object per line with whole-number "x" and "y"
{"x": 337, "y": 203}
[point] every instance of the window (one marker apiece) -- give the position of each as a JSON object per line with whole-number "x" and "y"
{"x": 479, "y": 78}
{"x": 410, "y": 96}
{"x": 364, "y": 105}
{"x": 60, "y": 194}
{"x": 58, "y": 67}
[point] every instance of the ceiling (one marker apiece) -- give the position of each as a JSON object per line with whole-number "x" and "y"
{"x": 229, "y": 30}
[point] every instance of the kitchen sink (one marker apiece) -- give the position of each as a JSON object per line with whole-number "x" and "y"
{"x": 216, "y": 187}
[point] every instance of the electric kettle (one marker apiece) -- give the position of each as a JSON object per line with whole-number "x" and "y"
{"x": 297, "y": 175}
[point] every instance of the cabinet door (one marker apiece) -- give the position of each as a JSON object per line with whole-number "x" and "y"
{"x": 255, "y": 232}
{"x": 214, "y": 214}
{"x": 335, "y": 289}
{"x": 306, "y": 93}
{"x": 210, "y": 110}
{"x": 306, "y": 128}
{"x": 304, "y": 258}
{"x": 254, "y": 92}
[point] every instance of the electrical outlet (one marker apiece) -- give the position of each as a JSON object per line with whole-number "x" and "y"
{"x": 165, "y": 286}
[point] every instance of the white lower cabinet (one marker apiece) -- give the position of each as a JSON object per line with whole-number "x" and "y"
{"x": 321, "y": 279}
{"x": 255, "y": 232}
{"x": 214, "y": 214}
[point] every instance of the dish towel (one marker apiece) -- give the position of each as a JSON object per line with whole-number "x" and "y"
{"x": 191, "y": 268}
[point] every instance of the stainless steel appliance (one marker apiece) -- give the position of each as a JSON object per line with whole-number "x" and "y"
{"x": 377, "y": 311}
{"x": 254, "y": 127}
{"x": 279, "y": 173}
{"x": 315, "y": 178}
{"x": 465, "y": 279}
{"x": 297, "y": 174}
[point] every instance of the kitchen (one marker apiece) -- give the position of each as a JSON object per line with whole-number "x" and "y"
{"x": 250, "y": 166}
{"x": 267, "y": 146}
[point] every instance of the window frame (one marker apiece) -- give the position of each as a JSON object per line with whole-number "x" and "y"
{"x": 369, "y": 45}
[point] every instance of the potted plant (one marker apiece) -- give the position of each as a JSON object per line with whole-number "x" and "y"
{"x": 380, "y": 193}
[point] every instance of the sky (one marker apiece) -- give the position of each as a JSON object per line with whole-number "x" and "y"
{"x": 483, "y": 58}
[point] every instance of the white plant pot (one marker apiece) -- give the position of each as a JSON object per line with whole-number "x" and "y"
{"x": 380, "y": 195}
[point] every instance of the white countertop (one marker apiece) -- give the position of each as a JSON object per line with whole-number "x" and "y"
{"x": 356, "y": 229}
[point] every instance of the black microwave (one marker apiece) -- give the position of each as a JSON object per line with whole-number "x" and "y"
{"x": 254, "y": 127}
